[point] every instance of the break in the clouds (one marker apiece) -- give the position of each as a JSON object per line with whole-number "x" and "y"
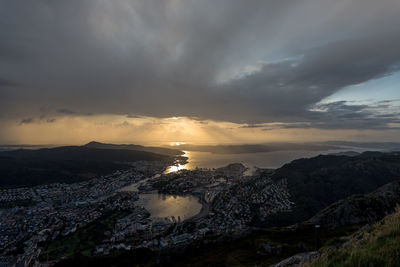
{"x": 250, "y": 62}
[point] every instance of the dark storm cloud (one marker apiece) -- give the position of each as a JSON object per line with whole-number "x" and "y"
{"x": 186, "y": 58}
{"x": 343, "y": 115}
{"x": 27, "y": 121}
{"x": 251, "y": 126}
{"x": 65, "y": 111}
{"x": 133, "y": 116}
{"x": 4, "y": 83}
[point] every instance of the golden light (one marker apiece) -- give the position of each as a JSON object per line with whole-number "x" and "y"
{"x": 177, "y": 143}
{"x": 173, "y": 131}
{"x": 178, "y": 166}
{"x": 175, "y": 168}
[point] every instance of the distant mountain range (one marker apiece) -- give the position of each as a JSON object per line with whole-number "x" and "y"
{"x": 389, "y": 146}
{"x": 152, "y": 149}
{"x": 236, "y": 148}
{"x": 314, "y": 146}
{"x": 82, "y": 153}
{"x": 256, "y": 148}
{"x": 27, "y": 167}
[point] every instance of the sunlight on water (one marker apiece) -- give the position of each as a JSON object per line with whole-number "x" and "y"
{"x": 274, "y": 159}
{"x": 177, "y": 166}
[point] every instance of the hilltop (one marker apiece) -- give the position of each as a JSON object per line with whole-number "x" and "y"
{"x": 68, "y": 164}
{"x": 82, "y": 153}
{"x": 152, "y": 149}
{"x": 358, "y": 209}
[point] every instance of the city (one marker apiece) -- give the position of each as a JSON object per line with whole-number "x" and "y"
{"x": 43, "y": 215}
{"x": 199, "y": 133}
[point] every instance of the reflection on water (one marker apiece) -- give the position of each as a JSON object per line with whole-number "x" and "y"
{"x": 177, "y": 165}
{"x": 161, "y": 206}
{"x": 135, "y": 187}
{"x": 175, "y": 168}
{"x": 274, "y": 159}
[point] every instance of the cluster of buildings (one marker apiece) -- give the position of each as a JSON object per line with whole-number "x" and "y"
{"x": 231, "y": 199}
{"x": 235, "y": 209}
{"x": 198, "y": 181}
{"x": 230, "y": 202}
{"x": 60, "y": 209}
{"x": 16, "y": 194}
{"x": 138, "y": 231}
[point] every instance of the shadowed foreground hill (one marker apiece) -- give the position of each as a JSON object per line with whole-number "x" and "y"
{"x": 65, "y": 164}
{"x": 317, "y": 182}
{"x": 377, "y": 245}
{"x": 359, "y": 209}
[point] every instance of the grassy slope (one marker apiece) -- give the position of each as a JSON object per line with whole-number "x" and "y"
{"x": 379, "y": 245}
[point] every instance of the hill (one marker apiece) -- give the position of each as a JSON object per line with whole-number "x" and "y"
{"x": 65, "y": 164}
{"x": 317, "y": 182}
{"x": 83, "y": 153}
{"x": 359, "y": 209}
{"x": 157, "y": 150}
{"x": 375, "y": 245}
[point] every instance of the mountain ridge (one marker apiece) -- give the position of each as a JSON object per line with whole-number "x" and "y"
{"x": 152, "y": 149}
{"x": 28, "y": 167}
{"x": 317, "y": 182}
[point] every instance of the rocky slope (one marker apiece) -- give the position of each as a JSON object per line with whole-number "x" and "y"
{"x": 373, "y": 245}
{"x": 359, "y": 209}
{"x": 318, "y": 182}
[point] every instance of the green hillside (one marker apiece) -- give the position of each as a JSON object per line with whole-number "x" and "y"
{"x": 378, "y": 245}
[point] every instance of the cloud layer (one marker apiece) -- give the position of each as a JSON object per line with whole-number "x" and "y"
{"x": 239, "y": 61}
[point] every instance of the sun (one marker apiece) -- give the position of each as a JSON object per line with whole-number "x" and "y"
{"x": 177, "y": 143}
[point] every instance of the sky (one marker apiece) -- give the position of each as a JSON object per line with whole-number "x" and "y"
{"x": 130, "y": 71}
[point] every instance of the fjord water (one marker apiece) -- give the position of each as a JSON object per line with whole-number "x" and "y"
{"x": 272, "y": 160}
